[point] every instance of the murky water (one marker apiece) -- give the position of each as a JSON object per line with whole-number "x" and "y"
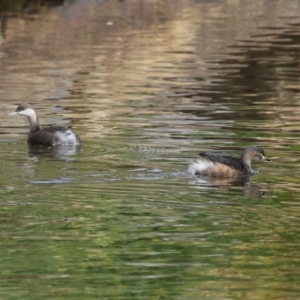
{"x": 148, "y": 85}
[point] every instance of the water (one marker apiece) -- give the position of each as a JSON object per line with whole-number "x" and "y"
{"x": 147, "y": 86}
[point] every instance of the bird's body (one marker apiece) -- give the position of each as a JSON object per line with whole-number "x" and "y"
{"x": 53, "y": 135}
{"x": 222, "y": 165}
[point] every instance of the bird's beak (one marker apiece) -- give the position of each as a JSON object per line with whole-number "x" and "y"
{"x": 266, "y": 158}
{"x": 13, "y": 113}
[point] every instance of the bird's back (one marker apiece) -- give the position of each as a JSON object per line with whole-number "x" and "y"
{"x": 217, "y": 165}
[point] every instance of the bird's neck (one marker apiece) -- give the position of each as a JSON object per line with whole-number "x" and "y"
{"x": 246, "y": 162}
{"x": 34, "y": 123}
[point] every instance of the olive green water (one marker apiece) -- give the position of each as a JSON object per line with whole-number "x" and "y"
{"x": 147, "y": 86}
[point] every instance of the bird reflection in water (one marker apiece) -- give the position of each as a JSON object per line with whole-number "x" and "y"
{"x": 63, "y": 152}
{"x": 249, "y": 189}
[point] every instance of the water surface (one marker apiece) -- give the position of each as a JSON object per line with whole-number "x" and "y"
{"x": 147, "y": 86}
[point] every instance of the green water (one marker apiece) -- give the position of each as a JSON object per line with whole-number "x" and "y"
{"x": 147, "y": 87}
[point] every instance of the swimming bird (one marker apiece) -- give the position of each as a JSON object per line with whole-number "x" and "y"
{"x": 53, "y": 135}
{"x": 222, "y": 165}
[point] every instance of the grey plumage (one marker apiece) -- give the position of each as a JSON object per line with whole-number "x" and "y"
{"x": 52, "y": 135}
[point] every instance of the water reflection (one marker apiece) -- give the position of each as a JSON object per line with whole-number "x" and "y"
{"x": 29, "y": 7}
{"x": 63, "y": 152}
{"x": 249, "y": 189}
{"x": 147, "y": 85}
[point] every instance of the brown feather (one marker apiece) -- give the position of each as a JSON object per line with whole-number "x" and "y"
{"x": 220, "y": 170}
{"x": 222, "y": 165}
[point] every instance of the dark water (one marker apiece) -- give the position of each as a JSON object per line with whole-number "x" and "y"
{"x": 147, "y": 86}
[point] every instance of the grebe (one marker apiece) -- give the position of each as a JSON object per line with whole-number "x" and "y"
{"x": 223, "y": 165}
{"x": 53, "y": 135}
